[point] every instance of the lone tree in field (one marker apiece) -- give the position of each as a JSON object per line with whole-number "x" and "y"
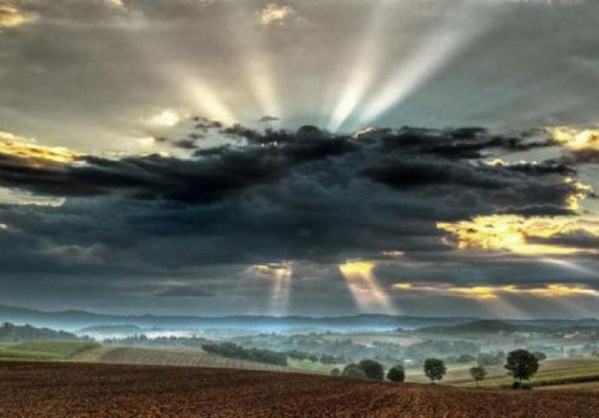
{"x": 353, "y": 371}
{"x": 434, "y": 369}
{"x": 522, "y": 365}
{"x": 372, "y": 369}
{"x": 396, "y": 374}
{"x": 478, "y": 374}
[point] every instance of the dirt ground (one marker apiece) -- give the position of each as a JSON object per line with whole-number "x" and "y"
{"x": 79, "y": 390}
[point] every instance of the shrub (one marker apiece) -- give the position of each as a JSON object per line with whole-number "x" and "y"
{"x": 354, "y": 371}
{"x": 372, "y": 369}
{"x": 396, "y": 374}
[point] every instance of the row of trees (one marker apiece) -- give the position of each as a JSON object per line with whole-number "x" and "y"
{"x": 520, "y": 364}
{"x": 434, "y": 369}
{"x": 231, "y": 350}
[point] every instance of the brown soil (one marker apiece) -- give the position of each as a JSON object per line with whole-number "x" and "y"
{"x": 81, "y": 390}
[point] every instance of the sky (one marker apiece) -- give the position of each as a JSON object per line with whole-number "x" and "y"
{"x": 331, "y": 157}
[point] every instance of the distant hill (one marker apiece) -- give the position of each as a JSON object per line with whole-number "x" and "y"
{"x": 74, "y": 320}
{"x": 11, "y": 333}
{"x": 482, "y": 326}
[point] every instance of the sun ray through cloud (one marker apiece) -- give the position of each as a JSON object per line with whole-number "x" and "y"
{"x": 280, "y": 275}
{"x": 444, "y": 42}
{"x": 363, "y": 70}
{"x": 365, "y": 288}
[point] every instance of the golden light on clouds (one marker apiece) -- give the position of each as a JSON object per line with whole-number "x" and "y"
{"x": 517, "y": 234}
{"x": 581, "y": 191}
{"x": 117, "y": 4}
{"x": 166, "y": 118}
{"x": 365, "y": 288}
{"x": 273, "y": 14}
{"x": 12, "y": 17}
{"x": 19, "y": 147}
{"x": 575, "y": 139}
{"x": 553, "y": 290}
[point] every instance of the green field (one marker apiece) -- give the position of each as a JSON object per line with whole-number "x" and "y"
{"x": 552, "y": 373}
{"x": 44, "y": 350}
{"x": 313, "y": 367}
{"x": 577, "y": 372}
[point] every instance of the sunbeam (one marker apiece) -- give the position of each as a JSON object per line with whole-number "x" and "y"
{"x": 363, "y": 70}
{"x": 203, "y": 98}
{"x": 250, "y": 41}
{"x": 434, "y": 52}
{"x": 365, "y": 288}
{"x": 280, "y": 275}
{"x": 193, "y": 90}
{"x": 571, "y": 266}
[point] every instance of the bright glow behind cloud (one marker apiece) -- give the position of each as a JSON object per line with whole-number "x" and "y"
{"x": 553, "y": 290}
{"x": 517, "y": 234}
{"x": 12, "y": 17}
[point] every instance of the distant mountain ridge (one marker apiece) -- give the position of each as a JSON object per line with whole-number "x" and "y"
{"x": 76, "y": 319}
{"x": 483, "y": 326}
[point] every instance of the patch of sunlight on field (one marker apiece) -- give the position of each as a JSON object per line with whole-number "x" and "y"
{"x": 310, "y": 366}
{"x": 587, "y": 387}
{"x": 44, "y": 350}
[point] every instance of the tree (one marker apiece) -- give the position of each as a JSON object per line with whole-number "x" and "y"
{"x": 354, "y": 371}
{"x": 335, "y": 372}
{"x": 478, "y": 374}
{"x": 434, "y": 369}
{"x": 372, "y": 369}
{"x": 396, "y": 374}
{"x": 522, "y": 365}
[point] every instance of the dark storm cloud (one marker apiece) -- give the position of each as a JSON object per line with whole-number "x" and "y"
{"x": 304, "y": 195}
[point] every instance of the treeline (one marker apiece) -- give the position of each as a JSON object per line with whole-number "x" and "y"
{"x": 234, "y": 351}
{"x": 14, "y": 333}
{"x": 170, "y": 341}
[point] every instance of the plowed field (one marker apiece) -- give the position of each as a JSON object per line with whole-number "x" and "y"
{"x": 80, "y": 390}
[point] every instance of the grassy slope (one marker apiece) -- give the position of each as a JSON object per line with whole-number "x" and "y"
{"x": 579, "y": 372}
{"x": 551, "y": 372}
{"x": 554, "y": 371}
{"x": 175, "y": 357}
{"x": 45, "y": 350}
